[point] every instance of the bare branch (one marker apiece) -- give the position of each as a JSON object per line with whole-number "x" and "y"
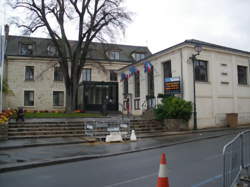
{"x": 94, "y": 19}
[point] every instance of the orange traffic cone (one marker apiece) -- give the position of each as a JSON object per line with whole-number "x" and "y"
{"x": 163, "y": 174}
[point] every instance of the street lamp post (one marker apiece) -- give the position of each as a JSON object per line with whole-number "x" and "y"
{"x": 197, "y": 49}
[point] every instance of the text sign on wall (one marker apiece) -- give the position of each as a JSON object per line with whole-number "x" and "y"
{"x": 172, "y": 85}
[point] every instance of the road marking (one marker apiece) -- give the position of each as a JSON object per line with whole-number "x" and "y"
{"x": 131, "y": 180}
{"x": 207, "y": 181}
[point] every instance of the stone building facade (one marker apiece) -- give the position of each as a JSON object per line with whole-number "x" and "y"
{"x": 222, "y": 81}
{"x": 36, "y": 82}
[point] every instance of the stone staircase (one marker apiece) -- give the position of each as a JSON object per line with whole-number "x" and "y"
{"x": 45, "y": 130}
{"x": 143, "y": 128}
{"x": 147, "y": 128}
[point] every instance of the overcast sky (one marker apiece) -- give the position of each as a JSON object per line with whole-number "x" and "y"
{"x": 160, "y": 24}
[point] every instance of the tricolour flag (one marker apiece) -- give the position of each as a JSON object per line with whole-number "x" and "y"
{"x": 148, "y": 67}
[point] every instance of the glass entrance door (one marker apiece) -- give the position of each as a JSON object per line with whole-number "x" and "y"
{"x": 96, "y": 93}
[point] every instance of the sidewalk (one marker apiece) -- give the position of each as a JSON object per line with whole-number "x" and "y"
{"x": 28, "y": 153}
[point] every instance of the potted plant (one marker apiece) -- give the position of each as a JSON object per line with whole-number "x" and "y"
{"x": 175, "y": 112}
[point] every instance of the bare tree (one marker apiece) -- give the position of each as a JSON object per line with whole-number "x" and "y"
{"x": 93, "y": 19}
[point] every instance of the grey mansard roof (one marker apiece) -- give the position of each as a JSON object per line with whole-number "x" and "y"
{"x": 97, "y": 51}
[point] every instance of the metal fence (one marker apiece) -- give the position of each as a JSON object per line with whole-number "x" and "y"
{"x": 246, "y": 149}
{"x": 99, "y": 129}
{"x": 236, "y": 156}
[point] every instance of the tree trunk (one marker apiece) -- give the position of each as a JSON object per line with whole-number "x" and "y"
{"x": 71, "y": 95}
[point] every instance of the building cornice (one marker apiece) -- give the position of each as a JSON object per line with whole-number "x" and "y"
{"x": 191, "y": 44}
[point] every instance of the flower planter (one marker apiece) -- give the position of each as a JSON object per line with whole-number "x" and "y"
{"x": 4, "y": 131}
{"x": 176, "y": 124}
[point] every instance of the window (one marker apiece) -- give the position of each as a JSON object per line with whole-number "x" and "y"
{"x": 125, "y": 86}
{"x": 151, "y": 82}
{"x": 58, "y": 98}
{"x": 137, "y": 84}
{"x": 167, "y": 72}
{"x": 137, "y": 104}
{"x": 114, "y": 55}
{"x": 28, "y": 98}
{"x": 58, "y": 74}
{"x": 113, "y": 75}
{"x": 201, "y": 70}
{"x": 51, "y": 50}
{"x": 138, "y": 56}
{"x": 167, "y": 69}
{"x": 29, "y": 73}
{"x": 86, "y": 75}
{"x": 242, "y": 74}
{"x": 26, "y": 49}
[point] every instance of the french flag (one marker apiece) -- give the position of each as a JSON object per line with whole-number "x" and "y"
{"x": 123, "y": 76}
{"x": 147, "y": 67}
{"x": 133, "y": 70}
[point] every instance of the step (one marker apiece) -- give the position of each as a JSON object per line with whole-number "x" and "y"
{"x": 146, "y": 124}
{"x": 148, "y": 132}
{"x": 45, "y": 132}
{"x": 149, "y": 128}
{"x": 45, "y": 125}
{"x": 144, "y": 121}
{"x": 43, "y": 128}
{"x": 47, "y": 136}
{"x": 48, "y": 122}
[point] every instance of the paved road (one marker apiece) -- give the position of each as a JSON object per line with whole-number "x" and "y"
{"x": 191, "y": 164}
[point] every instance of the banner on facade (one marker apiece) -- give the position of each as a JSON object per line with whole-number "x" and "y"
{"x": 172, "y": 85}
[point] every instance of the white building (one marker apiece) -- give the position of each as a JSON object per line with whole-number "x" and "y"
{"x": 222, "y": 81}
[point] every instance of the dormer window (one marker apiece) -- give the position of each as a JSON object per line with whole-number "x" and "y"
{"x": 114, "y": 55}
{"x": 26, "y": 49}
{"x": 51, "y": 50}
{"x": 138, "y": 56}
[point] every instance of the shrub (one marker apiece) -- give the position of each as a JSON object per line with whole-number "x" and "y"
{"x": 174, "y": 108}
